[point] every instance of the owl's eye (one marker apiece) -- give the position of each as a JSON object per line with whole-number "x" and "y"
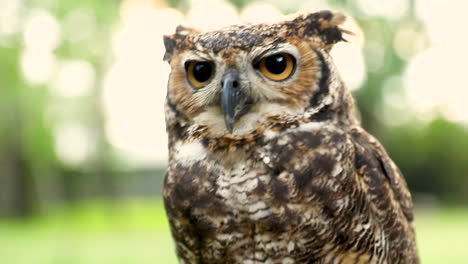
{"x": 199, "y": 72}
{"x": 277, "y": 67}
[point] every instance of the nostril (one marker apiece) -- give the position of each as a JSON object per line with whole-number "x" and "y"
{"x": 222, "y": 83}
{"x": 235, "y": 84}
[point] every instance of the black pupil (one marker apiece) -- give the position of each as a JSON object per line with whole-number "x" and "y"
{"x": 276, "y": 64}
{"x": 202, "y": 71}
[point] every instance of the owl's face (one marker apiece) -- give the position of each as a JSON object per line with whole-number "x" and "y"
{"x": 232, "y": 80}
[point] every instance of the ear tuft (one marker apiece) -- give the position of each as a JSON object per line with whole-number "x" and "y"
{"x": 169, "y": 44}
{"x": 182, "y": 30}
{"x": 325, "y": 25}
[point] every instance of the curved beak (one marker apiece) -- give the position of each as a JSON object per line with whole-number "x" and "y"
{"x": 232, "y": 98}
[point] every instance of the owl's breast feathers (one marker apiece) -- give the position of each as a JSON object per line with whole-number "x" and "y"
{"x": 299, "y": 191}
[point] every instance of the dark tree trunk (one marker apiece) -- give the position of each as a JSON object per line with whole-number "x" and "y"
{"x": 18, "y": 187}
{"x": 25, "y": 198}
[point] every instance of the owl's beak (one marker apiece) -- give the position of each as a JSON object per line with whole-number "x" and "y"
{"x": 232, "y": 98}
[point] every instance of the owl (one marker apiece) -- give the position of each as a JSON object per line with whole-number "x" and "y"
{"x": 267, "y": 161}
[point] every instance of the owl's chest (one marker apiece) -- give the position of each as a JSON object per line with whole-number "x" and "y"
{"x": 266, "y": 205}
{"x": 240, "y": 189}
{"x": 246, "y": 219}
{"x": 243, "y": 188}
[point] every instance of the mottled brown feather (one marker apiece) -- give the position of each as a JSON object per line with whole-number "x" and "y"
{"x": 306, "y": 184}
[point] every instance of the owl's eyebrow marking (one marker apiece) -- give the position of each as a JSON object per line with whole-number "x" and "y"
{"x": 323, "y": 82}
{"x": 275, "y": 49}
{"x": 264, "y": 51}
{"x": 196, "y": 56}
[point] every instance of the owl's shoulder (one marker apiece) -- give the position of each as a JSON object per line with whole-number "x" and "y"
{"x": 316, "y": 145}
{"x": 322, "y": 150}
{"x": 381, "y": 174}
{"x": 387, "y": 191}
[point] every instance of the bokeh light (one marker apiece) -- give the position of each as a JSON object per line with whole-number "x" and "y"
{"x": 10, "y": 16}
{"x": 435, "y": 76}
{"x": 393, "y": 9}
{"x": 74, "y": 144}
{"x": 74, "y": 78}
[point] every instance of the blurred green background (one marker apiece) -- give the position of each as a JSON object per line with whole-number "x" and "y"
{"x": 82, "y": 141}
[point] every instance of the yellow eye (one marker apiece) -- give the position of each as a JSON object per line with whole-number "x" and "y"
{"x": 277, "y": 67}
{"x": 199, "y": 72}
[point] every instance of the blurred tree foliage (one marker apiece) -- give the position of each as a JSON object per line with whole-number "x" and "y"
{"x": 433, "y": 155}
{"x": 30, "y": 169}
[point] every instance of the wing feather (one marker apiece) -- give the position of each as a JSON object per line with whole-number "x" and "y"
{"x": 389, "y": 195}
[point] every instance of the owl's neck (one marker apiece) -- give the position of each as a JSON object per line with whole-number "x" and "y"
{"x": 335, "y": 106}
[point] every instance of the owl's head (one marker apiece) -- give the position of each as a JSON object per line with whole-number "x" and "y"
{"x": 235, "y": 79}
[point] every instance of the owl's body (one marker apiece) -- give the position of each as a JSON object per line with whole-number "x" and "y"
{"x": 267, "y": 162}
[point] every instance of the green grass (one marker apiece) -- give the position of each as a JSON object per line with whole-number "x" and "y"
{"x": 131, "y": 233}
{"x": 442, "y": 236}
{"x": 137, "y": 233}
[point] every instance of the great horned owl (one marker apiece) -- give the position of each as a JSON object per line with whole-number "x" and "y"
{"x": 267, "y": 163}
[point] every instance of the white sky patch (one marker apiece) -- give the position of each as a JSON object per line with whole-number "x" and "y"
{"x": 261, "y": 13}
{"x": 41, "y": 35}
{"x": 135, "y": 87}
{"x": 436, "y": 78}
{"x": 425, "y": 80}
{"x": 350, "y": 64}
{"x": 41, "y": 31}
{"x": 74, "y": 144}
{"x": 209, "y": 15}
{"x": 445, "y": 21}
{"x": 38, "y": 67}
{"x": 74, "y": 78}
{"x": 314, "y": 6}
{"x": 412, "y": 31}
{"x": 393, "y": 9}
{"x": 134, "y": 110}
{"x": 348, "y": 56}
{"x": 302, "y": 5}
{"x": 10, "y": 16}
